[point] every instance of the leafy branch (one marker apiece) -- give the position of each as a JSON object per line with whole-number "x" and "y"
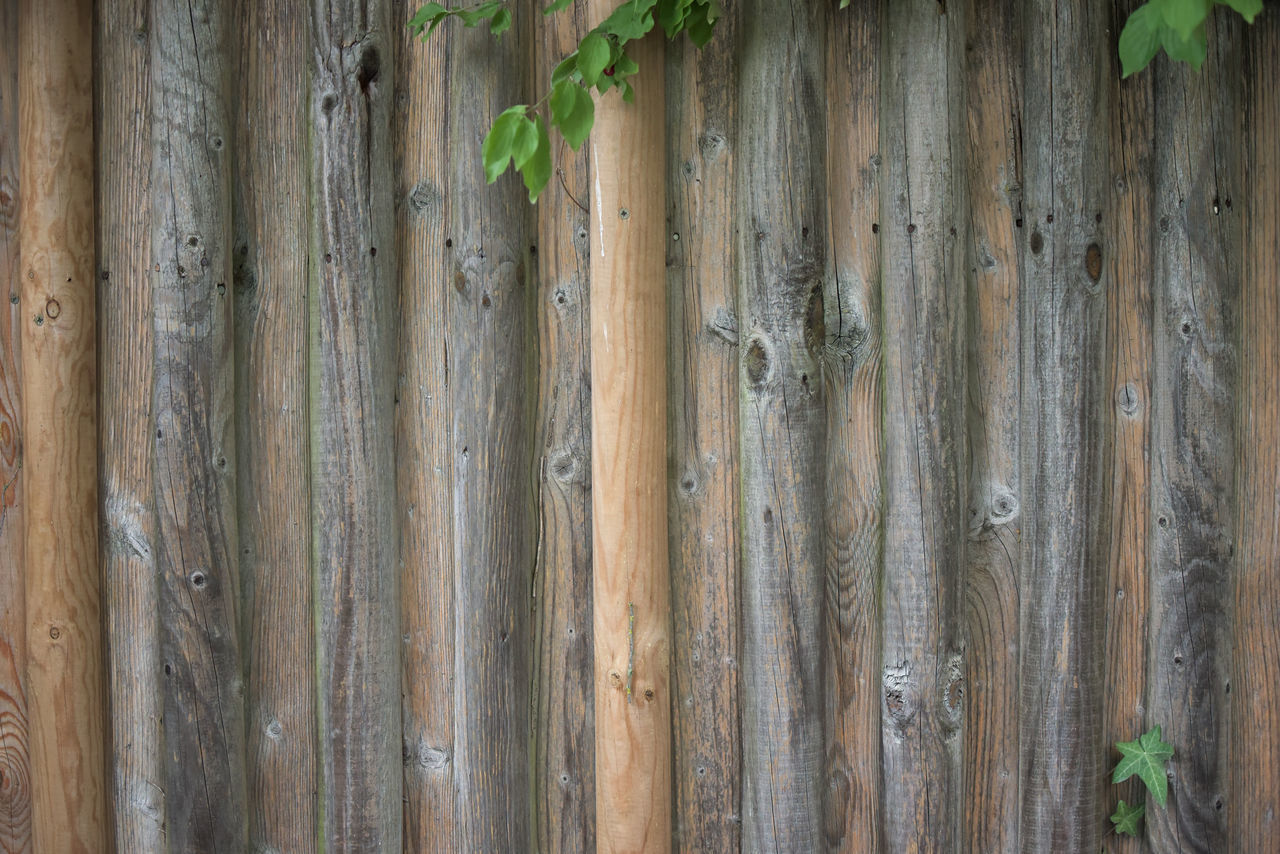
{"x": 1148, "y": 758}
{"x": 1175, "y": 25}
{"x": 519, "y": 135}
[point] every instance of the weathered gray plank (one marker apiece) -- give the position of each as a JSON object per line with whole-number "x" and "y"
{"x": 1063, "y": 430}
{"x": 564, "y": 701}
{"x": 355, "y": 543}
{"x": 853, "y": 519}
{"x": 1252, "y": 821}
{"x": 270, "y": 299}
{"x": 923, "y": 239}
{"x": 131, "y": 592}
{"x": 993, "y": 79}
{"x": 424, "y": 469}
{"x": 194, "y": 444}
{"x": 781, "y": 239}
{"x": 491, "y": 343}
{"x": 703, "y": 410}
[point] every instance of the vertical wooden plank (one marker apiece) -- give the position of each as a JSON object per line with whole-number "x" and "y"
{"x": 59, "y": 426}
{"x": 424, "y": 466}
{"x": 192, "y": 404}
{"x": 270, "y": 299}
{"x": 703, "y": 410}
{"x": 491, "y": 362}
{"x": 1252, "y": 820}
{"x": 631, "y": 623}
{"x": 15, "y": 767}
{"x": 564, "y": 701}
{"x": 355, "y": 542}
{"x": 1197, "y": 246}
{"x": 923, "y": 235}
{"x": 994, "y": 85}
{"x": 853, "y": 518}
{"x": 781, "y": 254}
{"x": 1063, "y": 431}
{"x": 1129, "y": 263}
{"x": 131, "y": 593}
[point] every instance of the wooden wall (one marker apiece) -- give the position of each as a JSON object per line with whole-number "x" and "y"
{"x": 972, "y": 428}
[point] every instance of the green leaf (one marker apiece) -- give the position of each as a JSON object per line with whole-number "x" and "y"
{"x": 632, "y": 20}
{"x": 844, "y": 3}
{"x": 482, "y": 12}
{"x": 1183, "y": 15}
{"x": 556, "y": 6}
{"x": 1146, "y": 757}
{"x": 524, "y": 143}
{"x": 495, "y": 151}
{"x": 593, "y": 57}
{"x": 425, "y": 14}
{"x": 1190, "y": 50}
{"x": 672, "y": 15}
{"x": 501, "y": 22}
{"x": 537, "y": 170}
{"x": 700, "y": 30}
{"x": 1126, "y": 818}
{"x": 1140, "y": 39}
{"x": 573, "y": 111}
{"x": 1248, "y": 8}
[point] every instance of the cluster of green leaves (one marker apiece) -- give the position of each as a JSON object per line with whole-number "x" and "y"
{"x": 1175, "y": 25}
{"x": 1148, "y": 757}
{"x": 519, "y": 136}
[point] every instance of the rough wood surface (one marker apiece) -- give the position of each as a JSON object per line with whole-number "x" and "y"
{"x": 631, "y": 625}
{"x": 1197, "y": 250}
{"x": 59, "y": 427}
{"x": 564, "y": 689}
{"x": 491, "y": 341}
{"x": 703, "y": 412}
{"x": 923, "y": 238}
{"x": 195, "y": 454}
{"x": 15, "y": 769}
{"x": 781, "y": 245}
{"x": 424, "y": 468}
{"x": 993, "y": 79}
{"x": 1253, "y": 695}
{"x": 270, "y": 300}
{"x": 1063, "y": 430}
{"x": 355, "y": 541}
{"x": 853, "y": 518}
{"x": 125, "y": 372}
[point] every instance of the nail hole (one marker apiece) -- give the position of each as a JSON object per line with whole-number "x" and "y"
{"x": 198, "y": 580}
{"x": 624, "y": 213}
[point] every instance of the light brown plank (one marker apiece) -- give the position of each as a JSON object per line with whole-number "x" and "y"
{"x": 994, "y": 84}
{"x": 703, "y": 412}
{"x": 59, "y": 426}
{"x": 854, "y": 519}
{"x": 564, "y": 688}
{"x": 131, "y": 602}
{"x": 1253, "y": 702}
{"x": 269, "y": 290}
{"x": 424, "y": 466}
{"x": 631, "y": 624}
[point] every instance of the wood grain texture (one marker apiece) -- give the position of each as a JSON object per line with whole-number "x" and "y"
{"x": 1252, "y": 820}
{"x": 1197, "y": 250}
{"x": 269, "y": 288}
{"x": 993, "y": 79}
{"x": 564, "y": 685}
{"x": 923, "y": 241}
{"x": 1130, "y": 262}
{"x": 15, "y": 762}
{"x": 355, "y": 541}
{"x": 854, "y": 503}
{"x": 192, "y": 404}
{"x": 424, "y": 467}
{"x": 491, "y": 343}
{"x": 131, "y": 592}
{"x": 781, "y": 243}
{"x": 630, "y": 587}
{"x": 59, "y": 428}
{"x": 703, "y": 412}
{"x": 1063, "y": 429}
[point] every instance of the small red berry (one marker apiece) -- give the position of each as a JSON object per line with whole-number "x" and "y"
{"x": 608, "y": 72}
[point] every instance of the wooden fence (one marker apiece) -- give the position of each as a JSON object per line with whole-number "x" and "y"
{"x": 972, "y": 434}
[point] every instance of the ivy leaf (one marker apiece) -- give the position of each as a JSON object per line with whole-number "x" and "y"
{"x": 1126, "y": 818}
{"x": 501, "y": 22}
{"x": 1248, "y": 8}
{"x": 1146, "y": 757}
{"x": 573, "y": 111}
{"x": 699, "y": 28}
{"x": 426, "y": 14}
{"x": 593, "y": 57}
{"x": 672, "y": 15}
{"x": 1140, "y": 39}
{"x": 632, "y": 20}
{"x": 495, "y": 151}
{"x": 537, "y": 169}
{"x": 556, "y": 6}
{"x": 482, "y": 12}
{"x": 524, "y": 142}
{"x": 1190, "y": 50}
{"x": 1184, "y": 15}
